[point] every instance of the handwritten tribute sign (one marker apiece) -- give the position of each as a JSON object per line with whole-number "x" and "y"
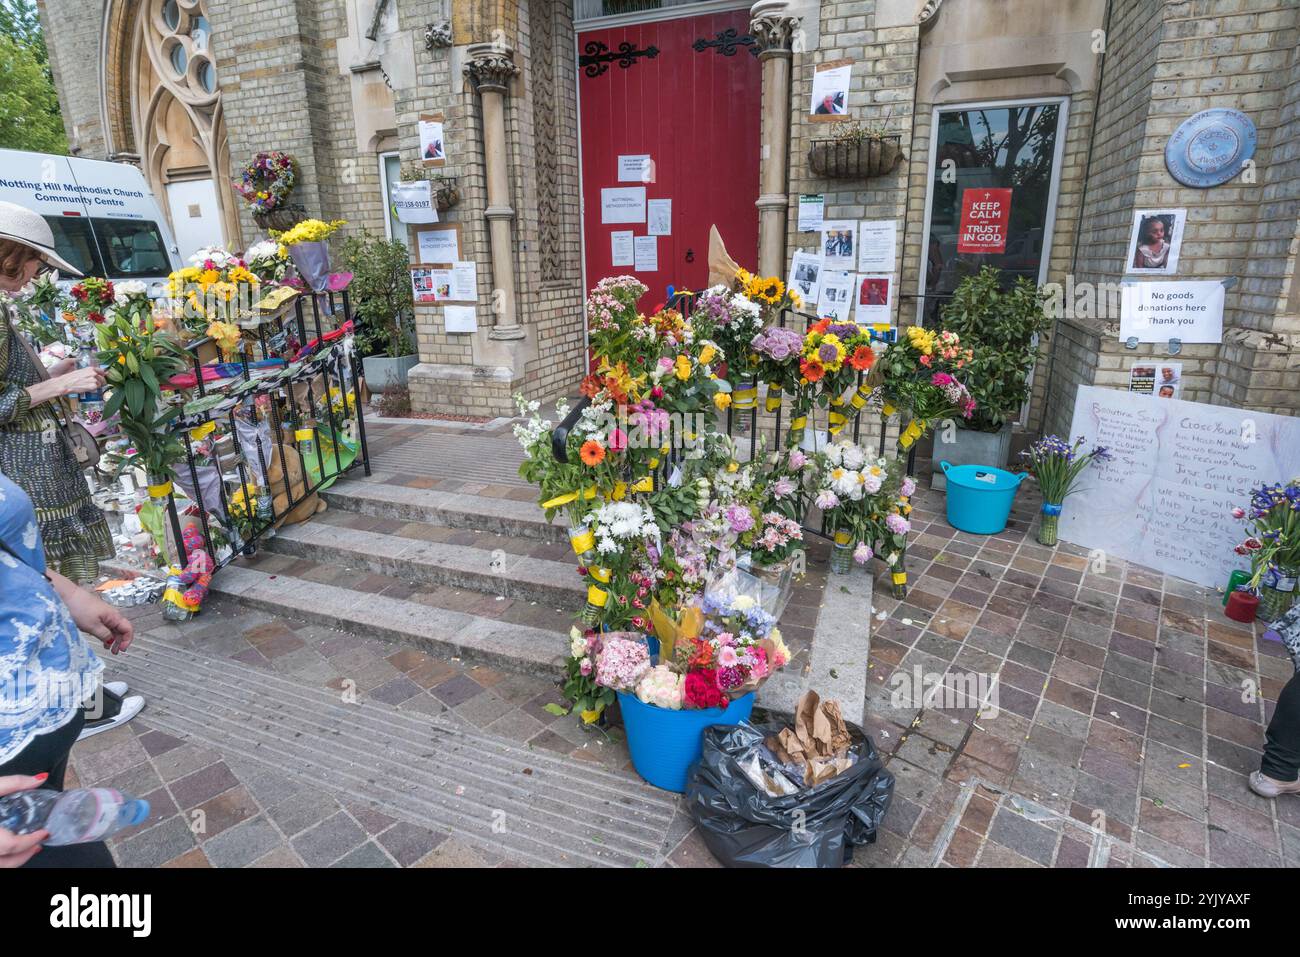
{"x": 1165, "y": 499}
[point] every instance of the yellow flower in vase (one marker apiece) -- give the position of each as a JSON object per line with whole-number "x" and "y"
{"x": 226, "y": 336}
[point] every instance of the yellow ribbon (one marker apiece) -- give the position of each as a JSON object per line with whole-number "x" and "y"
{"x": 600, "y": 574}
{"x": 583, "y": 542}
{"x": 646, "y": 484}
{"x": 799, "y": 424}
{"x": 745, "y": 398}
{"x": 567, "y": 497}
{"x": 887, "y": 409}
{"x": 858, "y": 401}
{"x": 203, "y": 431}
{"x": 773, "y": 397}
{"x": 900, "y": 578}
{"x": 597, "y": 596}
{"x": 837, "y": 420}
{"x": 304, "y": 435}
{"x": 843, "y": 538}
{"x": 160, "y": 491}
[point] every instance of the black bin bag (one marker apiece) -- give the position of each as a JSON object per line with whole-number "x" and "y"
{"x": 744, "y": 826}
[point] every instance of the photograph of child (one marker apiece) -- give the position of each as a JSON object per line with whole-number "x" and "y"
{"x": 1155, "y": 241}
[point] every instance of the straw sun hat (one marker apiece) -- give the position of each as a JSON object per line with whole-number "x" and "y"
{"x": 29, "y": 229}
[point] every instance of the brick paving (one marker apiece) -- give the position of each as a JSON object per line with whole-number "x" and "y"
{"x": 1130, "y": 712}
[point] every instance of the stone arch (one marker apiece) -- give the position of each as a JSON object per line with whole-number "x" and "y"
{"x": 161, "y": 98}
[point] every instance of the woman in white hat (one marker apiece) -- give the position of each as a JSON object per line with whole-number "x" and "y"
{"x": 35, "y": 451}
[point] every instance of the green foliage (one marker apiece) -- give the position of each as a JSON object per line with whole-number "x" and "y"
{"x": 999, "y": 326}
{"x": 29, "y": 106}
{"x": 381, "y": 291}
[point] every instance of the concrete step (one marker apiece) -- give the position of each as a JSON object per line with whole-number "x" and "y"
{"x": 441, "y": 631}
{"x": 436, "y": 771}
{"x": 501, "y": 516}
{"x": 492, "y": 564}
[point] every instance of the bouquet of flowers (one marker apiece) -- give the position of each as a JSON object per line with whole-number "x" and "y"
{"x": 267, "y": 260}
{"x": 1056, "y": 467}
{"x": 216, "y": 287}
{"x": 1273, "y": 545}
{"x": 731, "y": 320}
{"x": 308, "y": 247}
{"x": 611, "y": 315}
{"x": 589, "y": 699}
{"x": 93, "y": 297}
{"x": 41, "y": 314}
{"x": 917, "y": 373}
{"x": 737, "y": 649}
{"x": 834, "y": 356}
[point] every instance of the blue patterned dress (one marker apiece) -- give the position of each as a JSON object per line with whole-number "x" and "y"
{"x": 46, "y": 667}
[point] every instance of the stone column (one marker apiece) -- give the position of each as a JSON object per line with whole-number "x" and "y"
{"x": 773, "y": 28}
{"x": 490, "y": 67}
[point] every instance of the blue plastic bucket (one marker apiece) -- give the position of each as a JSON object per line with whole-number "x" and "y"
{"x": 980, "y": 497}
{"x": 665, "y": 743}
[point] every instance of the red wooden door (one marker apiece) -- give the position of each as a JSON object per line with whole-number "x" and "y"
{"x": 686, "y": 92}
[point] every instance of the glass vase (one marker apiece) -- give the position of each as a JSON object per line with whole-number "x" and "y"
{"x": 1048, "y": 524}
{"x": 1277, "y": 593}
{"x": 842, "y": 554}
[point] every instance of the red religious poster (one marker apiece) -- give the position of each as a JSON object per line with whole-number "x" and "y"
{"x": 985, "y": 216}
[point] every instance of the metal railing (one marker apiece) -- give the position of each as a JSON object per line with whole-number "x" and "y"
{"x": 327, "y": 361}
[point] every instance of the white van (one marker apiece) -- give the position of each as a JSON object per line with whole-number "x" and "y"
{"x": 104, "y": 218}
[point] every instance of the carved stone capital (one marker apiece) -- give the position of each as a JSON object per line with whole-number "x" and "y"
{"x": 774, "y": 33}
{"x": 490, "y": 67}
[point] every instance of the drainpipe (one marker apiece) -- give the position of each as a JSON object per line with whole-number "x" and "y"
{"x": 490, "y": 67}
{"x": 773, "y": 29}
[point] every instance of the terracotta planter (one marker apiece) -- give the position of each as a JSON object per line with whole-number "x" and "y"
{"x": 863, "y": 159}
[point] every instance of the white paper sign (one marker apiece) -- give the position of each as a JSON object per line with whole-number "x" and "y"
{"x": 836, "y": 295}
{"x": 432, "y": 145}
{"x": 413, "y": 202}
{"x": 839, "y": 244}
{"x": 872, "y": 305}
{"x": 805, "y": 269}
{"x": 659, "y": 217}
{"x": 636, "y": 169}
{"x": 830, "y": 91}
{"x": 877, "y": 243}
{"x": 1164, "y": 500}
{"x": 620, "y": 248}
{"x": 438, "y": 245}
{"x": 464, "y": 281}
{"x": 461, "y": 318}
{"x": 1159, "y": 311}
{"x": 622, "y": 204}
{"x": 646, "y": 254}
{"x": 812, "y": 207}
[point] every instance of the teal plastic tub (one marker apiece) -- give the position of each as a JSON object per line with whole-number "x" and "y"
{"x": 665, "y": 743}
{"x": 980, "y": 497}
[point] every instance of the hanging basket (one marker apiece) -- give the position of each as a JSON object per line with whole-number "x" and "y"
{"x": 863, "y": 159}
{"x": 282, "y": 219}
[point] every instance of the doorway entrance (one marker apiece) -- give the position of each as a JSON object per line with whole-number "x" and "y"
{"x": 195, "y": 215}
{"x": 669, "y": 131}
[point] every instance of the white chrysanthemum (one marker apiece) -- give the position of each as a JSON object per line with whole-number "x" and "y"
{"x": 835, "y": 454}
{"x": 854, "y": 457}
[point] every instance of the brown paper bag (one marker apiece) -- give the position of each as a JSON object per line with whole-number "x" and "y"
{"x": 722, "y": 268}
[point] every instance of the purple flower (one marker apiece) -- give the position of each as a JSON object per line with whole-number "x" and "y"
{"x": 827, "y": 353}
{"x": 739, "y": 518}
{"x": 897, "y": 524}
{"x": 777, "y": 343}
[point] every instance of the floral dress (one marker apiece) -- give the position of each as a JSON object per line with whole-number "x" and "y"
{"x": 46, "y": 667}
{"x": 36, "y": 454}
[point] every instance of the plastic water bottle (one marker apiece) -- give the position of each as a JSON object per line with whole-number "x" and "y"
{"x": 71, "y": 817}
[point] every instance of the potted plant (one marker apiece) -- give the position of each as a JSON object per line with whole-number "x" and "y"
{"x": 856, "y": 151}
{"x": 381, "y": 289}
{"x": 1001, "y": 328}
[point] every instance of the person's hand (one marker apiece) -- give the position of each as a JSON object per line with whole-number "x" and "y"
{"x": 97, "y": 617}
{"x": 62, "y": 367}
{"x": 89, "y": 379}
{"x": 17, "y": 849}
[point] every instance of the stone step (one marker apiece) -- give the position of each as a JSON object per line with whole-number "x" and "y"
{"x": 436, "y": 771}
{"x": 437, "y": 630}
{"x": 492, "y": 564}
{"x": 501, "y": 516}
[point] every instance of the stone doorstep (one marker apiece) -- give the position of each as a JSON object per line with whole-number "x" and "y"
{"x": 436, "y": 563}
{"x": 455, "y": 510}
{"x": 439, "y": 631}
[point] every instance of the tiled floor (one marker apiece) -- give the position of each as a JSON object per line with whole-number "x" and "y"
{"x": 1131, "y": 710}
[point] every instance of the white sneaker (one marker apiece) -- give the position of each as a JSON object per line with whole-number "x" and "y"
{"x": 130, "y": 708}
{"x": 118, "y": 688}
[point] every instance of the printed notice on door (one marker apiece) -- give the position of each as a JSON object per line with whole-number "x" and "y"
{"x": 985, "y": 216}
{"x": 1164, "y": 499}
{"x": 622, "y": 204}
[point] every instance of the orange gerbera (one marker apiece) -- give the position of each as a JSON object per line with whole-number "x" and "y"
{"x": 592, "y": 452}
{"x": 812, "y": 370}
{"x": 863, "y": 357}
{"x": 820, "y": 326}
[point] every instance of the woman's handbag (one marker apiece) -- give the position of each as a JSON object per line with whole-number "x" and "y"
{"x": 82, "y": 444}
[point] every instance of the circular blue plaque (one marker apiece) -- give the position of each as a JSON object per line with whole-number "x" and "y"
{"x": 1210, "y": 147}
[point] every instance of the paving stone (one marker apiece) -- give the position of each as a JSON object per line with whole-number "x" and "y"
{"x": 329, "y": 840}
{"x": 156, "y": 846}
{"x": 243, "y": 844}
